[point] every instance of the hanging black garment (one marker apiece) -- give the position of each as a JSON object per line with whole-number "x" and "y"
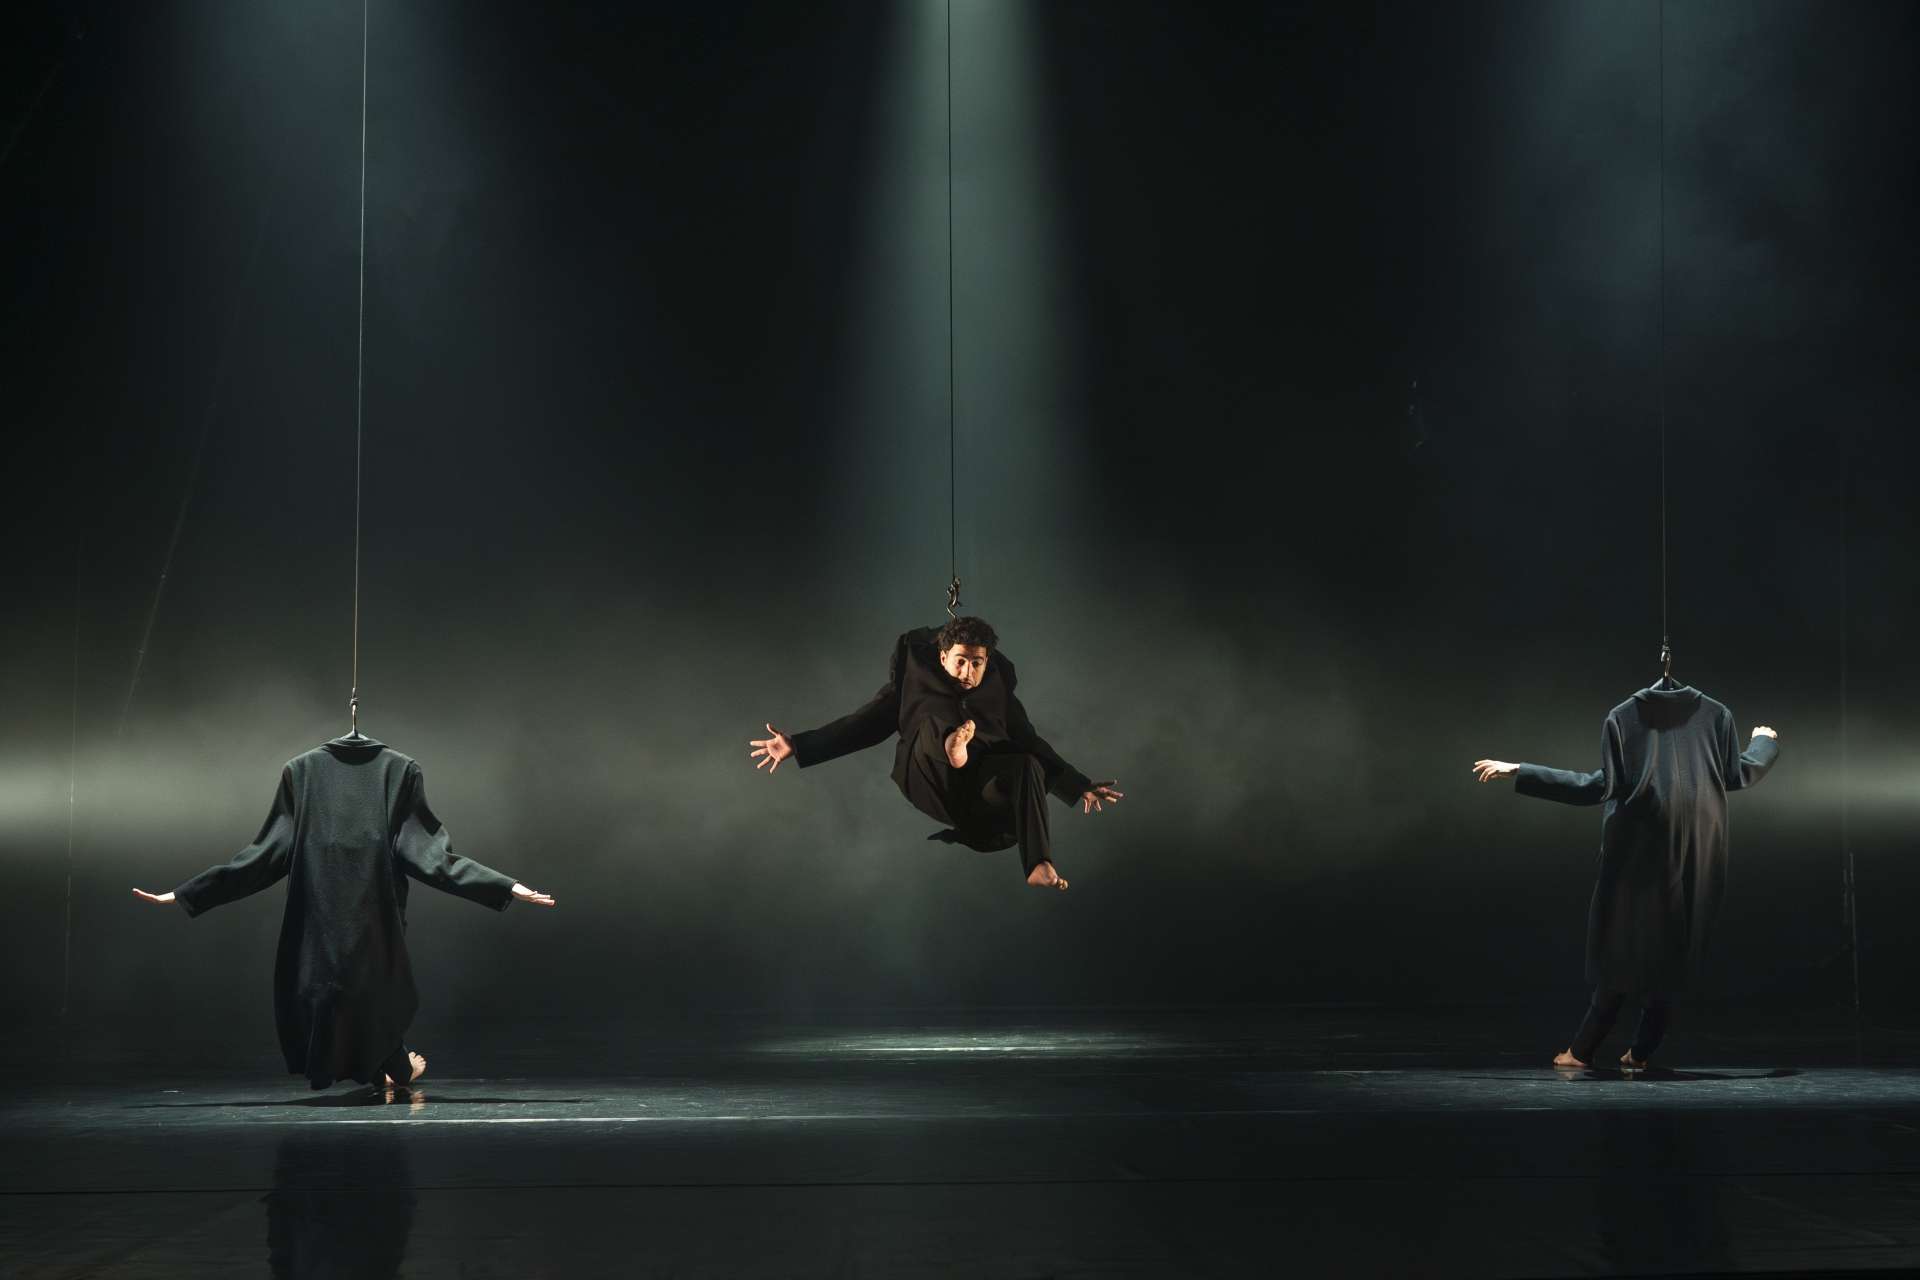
{"x": 919, "y": 689}
{"x": 1668, "y": 758}
{"x": 349, "y": 824}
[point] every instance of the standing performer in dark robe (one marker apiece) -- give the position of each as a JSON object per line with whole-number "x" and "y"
{"x": 1668, "y": 758}
{"x": 349, "y": 824}
{"x": 969, "y": 758}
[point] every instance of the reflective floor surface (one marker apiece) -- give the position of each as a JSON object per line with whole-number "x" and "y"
{"x": 1296, "y": 1142}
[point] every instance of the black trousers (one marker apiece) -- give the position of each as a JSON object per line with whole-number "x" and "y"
{"x": 998, "y": 801}
{"x": 1656, "y": 1012}
{"x": 398, "y": 1065}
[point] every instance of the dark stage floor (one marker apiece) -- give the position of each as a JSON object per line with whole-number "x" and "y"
{"x": 1317, "y": 1142}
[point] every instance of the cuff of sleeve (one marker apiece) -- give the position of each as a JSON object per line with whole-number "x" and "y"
{"x": 1071, "y": 786}
{"x": 186, "y": 904}
{"x": 803, "y": 749}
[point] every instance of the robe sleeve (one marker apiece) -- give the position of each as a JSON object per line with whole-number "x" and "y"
{"x": 869, "y": 726}
{"x": 255, "y": 867}
{"x": 1746, "y": 768}
{"x": 424, "y": 850}
{"x": 1568, "y": 787}
{"x": 1063, "y": 780}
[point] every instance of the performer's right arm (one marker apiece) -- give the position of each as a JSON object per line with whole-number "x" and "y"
{"x": 876, "y": 721}
{"x": 1562, "y": 785}
{"x": 424, "y": 850}
{"x": 255, "y": 867}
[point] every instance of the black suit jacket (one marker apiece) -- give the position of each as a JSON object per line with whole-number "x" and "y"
{"x": 918, "y": 689}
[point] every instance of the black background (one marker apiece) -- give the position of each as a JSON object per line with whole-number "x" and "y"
{"x": 656, "y": 450}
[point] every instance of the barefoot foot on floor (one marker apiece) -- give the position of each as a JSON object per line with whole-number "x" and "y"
{"x": 1629, "y": 1063}
{"x": 1045, "y": 877}
{"x": 1566, "y": 1061}
{"x": 957, "y": 745}
{"x": 419, "y": 1069}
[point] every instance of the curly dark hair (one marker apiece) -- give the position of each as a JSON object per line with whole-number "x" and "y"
{"x": 966, "y": 630}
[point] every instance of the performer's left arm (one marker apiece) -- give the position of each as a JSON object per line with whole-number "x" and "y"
{"x": 425, "y": 850}
{"x": 1752, "y": 764}
{"x": 1066, "y": 782}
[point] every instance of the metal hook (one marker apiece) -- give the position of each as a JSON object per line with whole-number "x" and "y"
{"x": 953, "y": 597}
{"x": 1666, "y": 659}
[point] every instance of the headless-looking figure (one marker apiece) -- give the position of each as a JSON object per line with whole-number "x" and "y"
{"x": 349, "y": 825}
{"x": 968, "y": 755}
{"x": 1668, "y": 758}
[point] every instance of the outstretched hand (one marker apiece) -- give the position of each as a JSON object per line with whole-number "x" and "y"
{"x": 1765, "y": 731}
{"x": 523, "y": 894}
{"x": 164, "y": 899}
{"x": 767, "y": 753}
{"x": 1092, "y": 798}
{"x": 1494, "y": 770}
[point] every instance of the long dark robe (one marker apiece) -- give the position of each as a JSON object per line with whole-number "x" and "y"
{"x": 919, "y": 689}
{"x": 349, "y": 825}
{"x": 1668, "y": 758}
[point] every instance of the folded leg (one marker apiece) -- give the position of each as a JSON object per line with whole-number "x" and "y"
{"x": 399, "y": 1066}
{"x": 933, "y": 784}
{"x": 1013, "y": 800}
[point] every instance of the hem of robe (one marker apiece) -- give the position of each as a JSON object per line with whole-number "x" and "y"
{"x": 982, "y": 842}
{"x": 311, "y": 1039}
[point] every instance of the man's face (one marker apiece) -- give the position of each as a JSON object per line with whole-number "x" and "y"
{"x": 966, "y": 663}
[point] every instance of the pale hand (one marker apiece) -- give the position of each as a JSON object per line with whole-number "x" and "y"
{"x": 1099, "y": 792}
{"x": 534, "y": 896}
{"x": 767, "y": 753}
{"x": 1494, "y": 770}
{"x": 164, "y": 899}
{"x": 1765, "y": 731}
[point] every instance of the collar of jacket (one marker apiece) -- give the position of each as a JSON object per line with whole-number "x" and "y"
{"x": 346, "y": 746}
{"x": 1685, "y": 693}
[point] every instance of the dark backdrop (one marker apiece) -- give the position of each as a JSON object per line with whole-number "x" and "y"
{"x": 1307, "y": 421}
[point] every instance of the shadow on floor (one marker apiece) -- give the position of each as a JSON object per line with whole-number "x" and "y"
{"x": 359, "y": 1098}
{"x": 339, "y": 1208}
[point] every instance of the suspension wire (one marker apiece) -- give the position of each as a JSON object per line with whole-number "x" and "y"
{"x": 1666, "y": 644}
{"x": 953, "y": 473}
{"x": 1849, "y": 900}
{"x": 359, "y": 374}
{"x": 208, "y": 417}
{"x": 73, "y": 774}
{"x": 27, "y": 116}
{"x": 166, "y": 562}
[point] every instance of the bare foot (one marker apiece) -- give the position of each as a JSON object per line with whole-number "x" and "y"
{"x": 1629, "y": 1063}
{"x": 1045, "y": 877}
{"x": 419, "y": 1069}
{"x": 1565, "y": 1059}
{"x": 957, "y": 745}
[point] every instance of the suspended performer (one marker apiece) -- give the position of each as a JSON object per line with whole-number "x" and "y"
{"x": 968, "y": 756}
{"x": 1668, "y": 757}
{"x": 349, "y": 824}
